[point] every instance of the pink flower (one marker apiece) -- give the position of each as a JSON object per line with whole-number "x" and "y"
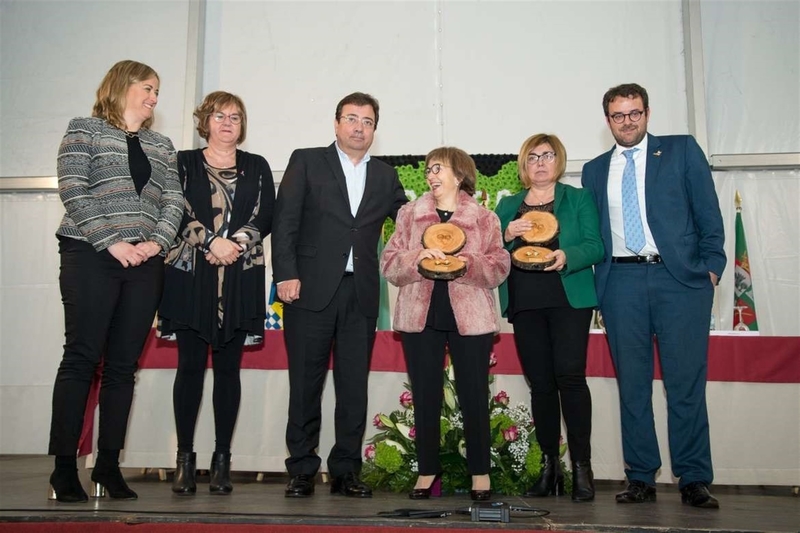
{"x": 376, "y": 421}
{"x": 511, "y": 434}
{"x": 406, "y": 400}
{"x": 492, "y": 360}
{"x": 501, "y": 398}
{"x": 412, "y": 433}
{"x": 369, "y": 452}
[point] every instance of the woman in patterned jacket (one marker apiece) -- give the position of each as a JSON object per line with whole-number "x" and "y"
{"x": 214, "y": 292}
{"x": 118, "y": 181}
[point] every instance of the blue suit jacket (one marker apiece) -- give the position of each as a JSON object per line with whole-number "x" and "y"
{"x": 682, "y": 210}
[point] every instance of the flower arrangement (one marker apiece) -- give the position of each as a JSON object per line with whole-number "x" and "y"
{"x": 391, "y": 457}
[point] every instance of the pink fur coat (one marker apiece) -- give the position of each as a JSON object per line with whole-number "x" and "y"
{"x": 471, "y": 295}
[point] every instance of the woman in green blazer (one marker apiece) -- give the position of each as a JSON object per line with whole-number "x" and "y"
{"x": 551, "y": 310}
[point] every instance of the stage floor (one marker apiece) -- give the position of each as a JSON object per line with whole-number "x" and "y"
{"x": 23, "y": 497}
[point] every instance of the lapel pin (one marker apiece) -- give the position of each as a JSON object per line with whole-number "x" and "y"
{"x": 657, "y": 153}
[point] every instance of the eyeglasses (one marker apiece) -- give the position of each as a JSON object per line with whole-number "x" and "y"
{"x": 634, "y": 115}
{"x": 352, "y": 120}
{"x": 435, "y": 169}
{"x": 547, "y": 157}
{"x": 220, "y": 117}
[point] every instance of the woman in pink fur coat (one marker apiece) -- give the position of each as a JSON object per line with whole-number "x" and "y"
{"x": 459, "y": 313}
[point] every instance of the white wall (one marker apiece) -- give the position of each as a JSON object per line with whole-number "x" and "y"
{"x": 480, "y": 75}
{"x": 53, "y": 55}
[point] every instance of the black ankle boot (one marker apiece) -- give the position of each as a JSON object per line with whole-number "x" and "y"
{"x": 185, "y": 480}
{"x": 65, "y": 486}
{"x": 551, "y": 480}
{"x": 108, "y": 478}
{"x": 220, "y": 473}
{"x": 582, "y": 481}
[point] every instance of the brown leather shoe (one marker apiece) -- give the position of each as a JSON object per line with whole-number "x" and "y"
{"x": 350, "y": 485}
{"x": 300, "y": 486}
{"x": 637, "y": 492}
{"x": 696, "y": 494}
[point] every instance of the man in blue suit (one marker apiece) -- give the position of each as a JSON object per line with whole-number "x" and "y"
{"x": 662, "y": 230}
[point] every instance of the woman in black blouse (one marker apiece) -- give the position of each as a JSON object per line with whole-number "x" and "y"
{"x": 119, "y": 184}
{"x": 551, "y": 310}
{"x": 214, "y": 292}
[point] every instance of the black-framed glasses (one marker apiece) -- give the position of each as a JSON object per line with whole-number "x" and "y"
{"x": 547, "y": 157}
{"x": 634, "y": 115}
{"x": 219, "y": 116}
{"x": 352, "y": 120}
{"x": 435, "y": 169}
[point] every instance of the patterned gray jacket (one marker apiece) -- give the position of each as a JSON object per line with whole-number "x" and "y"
{"x": 98, "y": 193}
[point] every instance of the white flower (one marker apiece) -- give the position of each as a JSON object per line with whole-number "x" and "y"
{"x": 395, "y": 444}
{"x": 462, "y": 448}
{"x": 404, "y": 430}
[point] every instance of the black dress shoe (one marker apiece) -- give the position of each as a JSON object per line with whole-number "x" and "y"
{"x": 350, "y": 485}
{"x": 480, "y": 495}
{"x": 696, "y": 494}
{"x": 300, "y": 486}
{"x": 637, "y": 492}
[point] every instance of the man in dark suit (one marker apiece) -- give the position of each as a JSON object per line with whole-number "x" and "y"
{"x": 330, "y": 209}
{"x": 662, "y": 230}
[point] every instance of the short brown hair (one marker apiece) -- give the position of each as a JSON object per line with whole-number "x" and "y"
{"x": 110, "y": 102}
{"x": 626, "y": 90}
{"x": 460, "y": 162}
{"x": 214, "y": 102}
{"x": 359, "y": 99}
{"x": 532, "y": 142}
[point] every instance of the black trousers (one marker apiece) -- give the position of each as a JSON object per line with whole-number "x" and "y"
{"x": 187, "y": 391}
{"x": 424, "y": 354}
{"x": 108, "y": 313}
{"x": 309, "y": 336}
{"x": 552, "y": 344}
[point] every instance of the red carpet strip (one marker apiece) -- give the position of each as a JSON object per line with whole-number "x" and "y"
{"x": 120, "y": 527}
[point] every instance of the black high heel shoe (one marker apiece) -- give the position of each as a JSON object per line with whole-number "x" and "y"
{"x": 480, "y": 495}
{"x": 220, "y": 473}
{"x": 551, "y": 480}
{"x": 65, "y": 486}
{"x": 434, "y": 489}
{"x": 109, "y": 480}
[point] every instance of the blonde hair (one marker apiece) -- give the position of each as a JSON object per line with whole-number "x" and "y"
{"x": 110, "y": 103}
{"x": 532, "y": 142}
{"x": 214, "y": 102}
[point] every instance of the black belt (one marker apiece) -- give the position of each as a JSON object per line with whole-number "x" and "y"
{"x": 346, "y": 273}
{"x": 654, "y": 258}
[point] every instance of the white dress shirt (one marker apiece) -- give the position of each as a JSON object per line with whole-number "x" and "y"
{"x": 355, "y": 177}
{"x": 614, "y": 192}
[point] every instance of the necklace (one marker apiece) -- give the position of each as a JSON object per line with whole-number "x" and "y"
{"x": 131, "y": 134}
{"x": 543, "y": 199}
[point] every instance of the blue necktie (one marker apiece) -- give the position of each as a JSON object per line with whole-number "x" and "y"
{"x": 631, "y": 216}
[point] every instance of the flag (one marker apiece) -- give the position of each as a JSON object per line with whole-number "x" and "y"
{"x": 274, "y": 310}
{"x": 744, "y": 305}
{"x": 384, "y": 313}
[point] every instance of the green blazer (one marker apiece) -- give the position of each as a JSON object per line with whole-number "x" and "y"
{"x": 579, "y": 237}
